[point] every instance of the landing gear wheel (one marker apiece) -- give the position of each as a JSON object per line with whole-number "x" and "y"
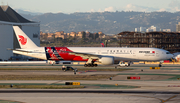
{"x": 85, "y": 65}
{"x": 89, "y": 65}
{"x": 95, "y": 65}
{"x": 160, "y": 65}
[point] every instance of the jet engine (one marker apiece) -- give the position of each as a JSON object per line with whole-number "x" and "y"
{"x": 106, "y": 60}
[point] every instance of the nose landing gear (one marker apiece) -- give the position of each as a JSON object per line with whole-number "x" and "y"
{"x": 160, "y": 64}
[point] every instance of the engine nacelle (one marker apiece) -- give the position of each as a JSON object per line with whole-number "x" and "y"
{"x": 107, "y": 60}
{"x": 51, "y": 62}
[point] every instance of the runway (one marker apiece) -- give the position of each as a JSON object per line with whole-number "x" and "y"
{"x": 155, "y": 86}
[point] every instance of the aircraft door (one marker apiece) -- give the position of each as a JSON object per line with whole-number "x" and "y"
{"x": 157, "y": 54}
{"x": 99, "y": 51}
{"x": 134, "y": 54}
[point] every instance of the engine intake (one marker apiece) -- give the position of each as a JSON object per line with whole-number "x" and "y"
{"x": 107, "y": 60}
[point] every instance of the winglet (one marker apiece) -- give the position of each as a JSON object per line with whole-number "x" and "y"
{"x": 23, "y": 39}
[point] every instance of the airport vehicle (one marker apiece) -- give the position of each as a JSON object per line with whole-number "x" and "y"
{"x": 122, "y": 64}
{"x": 106, "y": 56}
{"x": 68, "y": 68}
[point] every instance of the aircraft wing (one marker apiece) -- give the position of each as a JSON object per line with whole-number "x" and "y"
{"x": 24, "y": 51}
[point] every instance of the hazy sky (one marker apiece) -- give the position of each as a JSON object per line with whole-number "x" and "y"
{"x": 70, "y": 6}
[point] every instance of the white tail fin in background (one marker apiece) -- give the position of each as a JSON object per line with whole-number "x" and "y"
{"x": 23, "y": 39}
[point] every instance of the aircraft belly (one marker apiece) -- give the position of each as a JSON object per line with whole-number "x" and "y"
{"x": 34, "y": 55}
{"x": 125, "y": 59}
{"x": 40, "y": 56}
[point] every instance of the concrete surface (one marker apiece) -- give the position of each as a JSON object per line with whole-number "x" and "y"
{"x": 90, "y": 98}
{"x": 162, "y": 85}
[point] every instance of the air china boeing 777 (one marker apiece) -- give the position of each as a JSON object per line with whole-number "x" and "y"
{"x": 104, "y": 55}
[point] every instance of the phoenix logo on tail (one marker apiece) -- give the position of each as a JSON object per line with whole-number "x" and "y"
{"x": 22, "y": 40}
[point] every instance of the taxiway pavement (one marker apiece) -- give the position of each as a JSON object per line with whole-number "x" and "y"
{"x": 155, "y": 86}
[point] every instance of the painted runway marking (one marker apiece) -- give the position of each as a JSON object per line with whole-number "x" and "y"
{"x": 163, "y": 101}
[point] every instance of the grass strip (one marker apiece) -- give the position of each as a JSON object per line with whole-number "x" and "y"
{"x": 147, "y": 74}
{"x": 176, "y": 76}
{"x": 7, "y": 101}
{"x": 105, "y": 86}
{"x": 62, "y": 86}
{"x": 42, "y": 86}
{"x": 55, "y": 77}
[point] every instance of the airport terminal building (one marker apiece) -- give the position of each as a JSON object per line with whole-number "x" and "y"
{"x": 8, "y": 19}
{"x": 167, "y": 40}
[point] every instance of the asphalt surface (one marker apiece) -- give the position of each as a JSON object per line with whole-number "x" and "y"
{"x": 90, "y": 97}
{"x": 84, "y": 91}
{"x": 155, "y": 86}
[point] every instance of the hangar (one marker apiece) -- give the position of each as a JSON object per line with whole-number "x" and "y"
{"x": 9, "y": 18}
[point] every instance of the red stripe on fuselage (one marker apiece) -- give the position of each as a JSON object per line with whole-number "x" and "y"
{"x": 67, "y": 56}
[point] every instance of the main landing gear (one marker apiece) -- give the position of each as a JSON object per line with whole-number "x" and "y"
{"x": 160, "y": 65}
{"x": 90, "y": 63}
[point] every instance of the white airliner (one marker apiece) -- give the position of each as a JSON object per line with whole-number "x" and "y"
{"x": 104, "y": 55}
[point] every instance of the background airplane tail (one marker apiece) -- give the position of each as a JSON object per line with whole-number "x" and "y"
{"x": 102, "y": 45}
{"x": 23, "y": 39}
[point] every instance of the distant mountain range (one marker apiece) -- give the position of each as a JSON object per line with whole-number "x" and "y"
{"x": 23, "y": 12}
{"x": 107, "y": 22}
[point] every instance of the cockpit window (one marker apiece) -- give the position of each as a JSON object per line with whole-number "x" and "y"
{"x": 168, "y": 53}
